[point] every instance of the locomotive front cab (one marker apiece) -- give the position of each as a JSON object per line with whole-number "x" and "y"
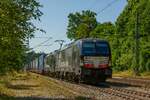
{"x": 96, "y": 60}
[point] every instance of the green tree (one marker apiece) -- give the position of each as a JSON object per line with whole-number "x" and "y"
{"x": 81, "y": 24}
{"x": 16, "y": 27}
{"x": 103, "y": 30}
{"x": 125, "y": 25}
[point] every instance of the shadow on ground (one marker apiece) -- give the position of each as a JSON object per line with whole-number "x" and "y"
{"x": 118, "y": 84}
{"x": 108, "y": 84}
{"x": 21, "y": 86}
{"x": 5, "y": 97}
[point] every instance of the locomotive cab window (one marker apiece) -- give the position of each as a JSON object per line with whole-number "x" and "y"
{"x": 102, "y": 48}
{"x": 88, "y": 47}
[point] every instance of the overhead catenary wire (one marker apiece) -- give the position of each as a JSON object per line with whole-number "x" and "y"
{"x": 107, "y": 6}
{"x": 60, "y": 42}
{"x": 47, "y": 45}
{"x": 42, "y": 43}
{"x": 43, "y": 37}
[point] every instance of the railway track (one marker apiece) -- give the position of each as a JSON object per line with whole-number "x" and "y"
{"x": 121, "y": 92}
{"x": 141, "y": 94}
{"x": 131, "y": 81}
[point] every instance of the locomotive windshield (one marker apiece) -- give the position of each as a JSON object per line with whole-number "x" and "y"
{"x": 95, "y": 48}
{"x": 102, "y": 48}
{"x": 89, "y": 48}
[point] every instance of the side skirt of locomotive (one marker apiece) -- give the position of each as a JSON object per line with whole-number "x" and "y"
{"x": 92, "y": 76}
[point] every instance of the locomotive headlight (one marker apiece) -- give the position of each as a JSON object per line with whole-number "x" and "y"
{"x": 81, "y": 64}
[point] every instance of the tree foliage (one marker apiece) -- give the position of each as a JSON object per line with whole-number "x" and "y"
{"x": 125, "y": 25}
{"x": 81, "y": 24}
{"x": 103, "y": 30}
{"x": 16, "y": 27}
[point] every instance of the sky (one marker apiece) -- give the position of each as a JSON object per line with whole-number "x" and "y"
{"x": 55, "y": 19}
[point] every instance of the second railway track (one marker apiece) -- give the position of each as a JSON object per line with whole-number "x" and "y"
{"x": 145, "y": 83}
{"x": 121, "y": 92}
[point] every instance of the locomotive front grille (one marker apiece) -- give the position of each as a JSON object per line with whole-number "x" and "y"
{"x": 97, "y": 62}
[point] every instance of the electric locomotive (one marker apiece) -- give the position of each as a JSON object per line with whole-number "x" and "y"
{"x": 95, "y": 60}
{"x": 86, "y": 60}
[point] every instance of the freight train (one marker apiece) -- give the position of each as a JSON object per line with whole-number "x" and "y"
{"x": 86, "y": 60}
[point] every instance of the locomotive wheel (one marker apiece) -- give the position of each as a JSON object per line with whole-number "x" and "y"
{"x": 103, "y": 79}
{"x": 79, "y": 79}
{"x": 67, "y": 76}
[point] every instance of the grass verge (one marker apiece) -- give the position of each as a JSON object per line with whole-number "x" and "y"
{"x": 129, "y": 73}
{"x": 29, "y": 86}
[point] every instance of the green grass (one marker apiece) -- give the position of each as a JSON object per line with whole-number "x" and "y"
{"x": 145, "y": 75}
{"x": 29, "y": 86}
{"x": 129, "y": 73}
